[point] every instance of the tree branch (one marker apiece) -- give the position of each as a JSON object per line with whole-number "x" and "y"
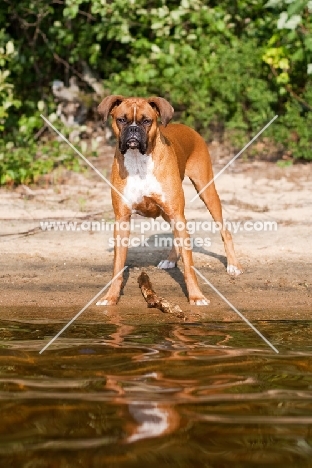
{"x": 155, "y": 301}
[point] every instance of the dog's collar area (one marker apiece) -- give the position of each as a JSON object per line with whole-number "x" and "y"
{"x": 135, "y": 153}
{"x": 136, "y": 163}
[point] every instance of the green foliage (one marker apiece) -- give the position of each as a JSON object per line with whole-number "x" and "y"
{"x": 7, "y": 99}
{"x": 25, "y": 159}
{"x": 289, "y": 56}
{"x": 295, "y": 127}
{"x": 25, "y": 164}
{"x": 227, "y": 67}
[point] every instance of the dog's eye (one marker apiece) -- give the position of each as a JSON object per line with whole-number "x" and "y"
{"x": 122, "y": 120}
{"x": 146, "y": 122}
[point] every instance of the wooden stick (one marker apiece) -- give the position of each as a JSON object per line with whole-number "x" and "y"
{"x": 155, "y": 301}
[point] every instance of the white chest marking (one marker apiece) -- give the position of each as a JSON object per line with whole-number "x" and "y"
{"x": 141, "y": 180}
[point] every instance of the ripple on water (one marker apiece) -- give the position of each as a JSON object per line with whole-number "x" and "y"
{"x": 175, "y": 394}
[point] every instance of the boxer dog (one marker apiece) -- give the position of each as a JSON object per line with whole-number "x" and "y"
{"x": 148, "y": 169}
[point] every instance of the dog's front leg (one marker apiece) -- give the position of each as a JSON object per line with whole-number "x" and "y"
{"x": 121, "y": 242}
{"x": 183, "y": 242}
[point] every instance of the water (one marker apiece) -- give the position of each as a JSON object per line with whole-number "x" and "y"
{"x": 173, "y": 395}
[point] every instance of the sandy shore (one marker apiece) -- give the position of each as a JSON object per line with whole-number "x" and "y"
{"x": 50, "y": 275}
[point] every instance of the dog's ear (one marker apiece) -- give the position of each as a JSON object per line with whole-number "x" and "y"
{"x": 108, "y": 104}
{"x": 163, "y": 108}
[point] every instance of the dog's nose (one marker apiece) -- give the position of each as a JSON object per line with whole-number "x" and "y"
{"x": 134, "y": 129}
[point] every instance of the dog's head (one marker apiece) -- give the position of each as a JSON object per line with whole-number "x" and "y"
{"x": 135, "y": 119}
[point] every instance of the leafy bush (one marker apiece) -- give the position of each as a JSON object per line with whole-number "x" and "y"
{"x": 7, "y": 98}
{"x": 227, "y": 67}
{"x": 25, "y": 161}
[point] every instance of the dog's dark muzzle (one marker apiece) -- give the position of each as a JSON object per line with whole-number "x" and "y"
{"x": 133, "y": 137}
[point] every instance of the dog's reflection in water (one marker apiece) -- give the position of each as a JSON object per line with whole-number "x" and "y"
{"x": 152, "y": 420}
{"x": 149, "y": 419}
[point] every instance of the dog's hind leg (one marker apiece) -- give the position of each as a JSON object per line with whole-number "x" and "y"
{"x": 183, "y": 247}
{"x": 201, "y": 173}
{"x": 174, "y": 254}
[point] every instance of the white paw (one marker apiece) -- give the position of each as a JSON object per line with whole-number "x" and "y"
{"x": 201, "y": 302}
{"x": 233, "y": 270}
{"x": 104, "y": 302}
{"x": 166, "y": 264}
